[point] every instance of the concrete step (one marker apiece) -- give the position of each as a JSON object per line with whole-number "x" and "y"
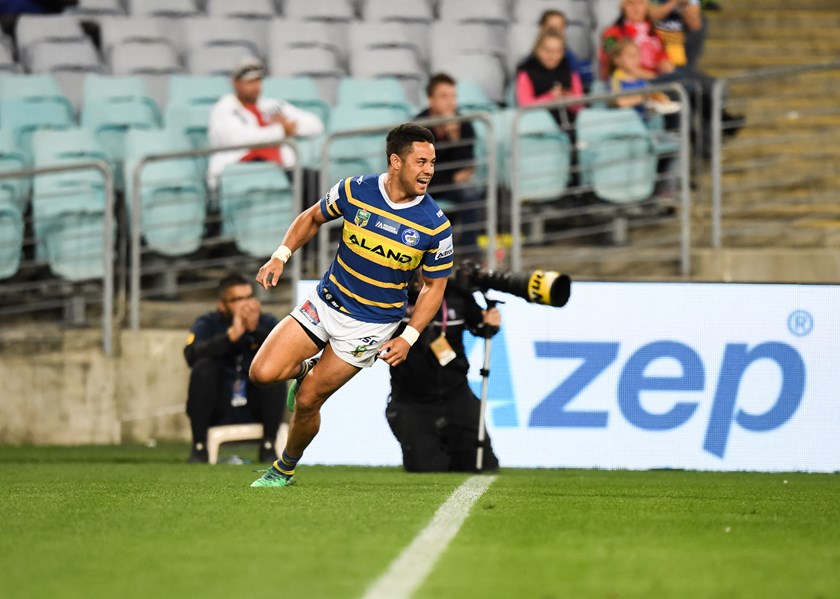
{"x": 812, "y": 49}
{"x": 761, "y": 20}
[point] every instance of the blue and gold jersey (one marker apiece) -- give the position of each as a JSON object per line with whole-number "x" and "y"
{"x": 381, "y": 245}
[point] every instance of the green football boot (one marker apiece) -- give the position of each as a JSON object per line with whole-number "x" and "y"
{"x": 272, "y": 478}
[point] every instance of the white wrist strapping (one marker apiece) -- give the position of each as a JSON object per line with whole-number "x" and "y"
{"x": 410, "y": 334}
{"x": 282, "y": 253}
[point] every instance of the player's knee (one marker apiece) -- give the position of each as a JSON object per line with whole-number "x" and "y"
{"x": 261, "y": 373}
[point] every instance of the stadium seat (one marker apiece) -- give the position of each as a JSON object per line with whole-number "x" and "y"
{"x": 493, "y": 12}
{"x": 324, "y": 10}
{"x": 292, "y": 33}
{"x": 68, "y": 208}
{"x": 33, "y": 29}
{"x": 7, "y": 59}
{"x": 241, "y": 9}
{"x": 372, "y": 35}
{"x": 114, "y": 31}
{"x": 256, "y": 203}
{"x": 473, "y": 98}
{"x": 173, "y": 197}
{"x": 140, "y": 57}
{"x": 409, "y": 11}
{"x": 401, "y": 63}
{"x": 248, "y": 36}
{"x": 451, "y": 39}
{"x": 616, "y": 154}
{"x": 318, "y": 63}
{"x": 385, "y": 92}
{"x": 230, "y": 433}
{"x": 216, "y": 60}
{"x": 191, "y": 98}
{"x": 484, "y": 69}
{"x": 300, "y": 91}
{"x": 96, "y": 8}
{"x": 12, "y": 158}
{"x": 164, "y": 8}
{"x": 11, "y": 233}
{"x": 364, "y": 153}
{"x": 23, "y": 117}
{"x": 521, "y": 38}
{"x": 41, "y": 87}
{"x": 120, "y": 89}
{"x": 545, "y": 157}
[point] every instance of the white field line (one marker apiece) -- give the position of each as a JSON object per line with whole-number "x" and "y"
{"x": 410, "y": 569}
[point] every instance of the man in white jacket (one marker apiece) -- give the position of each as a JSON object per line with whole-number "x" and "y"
{"x": 244, "y": 117}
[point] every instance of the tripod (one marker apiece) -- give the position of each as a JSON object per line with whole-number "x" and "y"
{"x": 485, "y": 377}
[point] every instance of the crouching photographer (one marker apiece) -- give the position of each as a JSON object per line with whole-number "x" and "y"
{"x": 432, "y": 411}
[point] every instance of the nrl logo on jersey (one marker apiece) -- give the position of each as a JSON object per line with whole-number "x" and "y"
{"x": 362, "y": 217}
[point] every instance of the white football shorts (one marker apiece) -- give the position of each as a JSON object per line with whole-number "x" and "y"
{"x": 354, "y": 341}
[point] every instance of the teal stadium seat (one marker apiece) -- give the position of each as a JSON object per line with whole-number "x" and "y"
{"x": 14, "y": 159}
{"x": 616, "y": 153}
{"x": 24, "y": 117}
{"x": 172, "y": 192}
{"x": 545, "y": 157}
{"x": 255, "y": 200}
{"x": 191, "y": 99}
{"x": 11, "y": 233}
{"x": 120, "y": 90}
{"x": 384, "y": 92}
{"x": 41, "y": 87}
{"x": 68, "y": 208}
{"x": 300, "y": 91}
{"x": 473, "y": 98}
{"x": 363, "y": 153}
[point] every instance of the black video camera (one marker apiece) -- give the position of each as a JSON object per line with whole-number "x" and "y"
{"x": 546, "y": 287}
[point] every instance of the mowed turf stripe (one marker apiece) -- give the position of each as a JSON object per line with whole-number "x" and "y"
{"x": 410, "y": 569}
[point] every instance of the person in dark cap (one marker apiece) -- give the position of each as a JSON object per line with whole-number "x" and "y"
{"x": 245, "y": 117}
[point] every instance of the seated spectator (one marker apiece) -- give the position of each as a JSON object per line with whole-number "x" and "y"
{"x": 219, "y": 351}
{"x": 454, "y": 178}
{"x": 547, "y": 76}
{"x": 556, "y": 20}
{"x": 627, "y": 74}
{"x": 244, "y": 117}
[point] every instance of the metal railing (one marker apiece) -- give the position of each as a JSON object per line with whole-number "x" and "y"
{"x": 775, "y": 124}
{"x": 583, "y": 189}
{"x": 107, "y": 235}
{"x": 486, "y": 181}
{"x": 136, "y": 224}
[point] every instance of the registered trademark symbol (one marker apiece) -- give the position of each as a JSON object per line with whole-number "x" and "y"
{"x": 800, "y": 323}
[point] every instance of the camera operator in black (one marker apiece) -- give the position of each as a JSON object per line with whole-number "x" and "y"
{"x": 219, "y": 352}
{"x": 432, "y": 411}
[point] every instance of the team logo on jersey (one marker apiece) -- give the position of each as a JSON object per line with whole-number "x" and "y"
{"x": 410, "y": 237}
{"x": 445, "y": 248}
{"x": 362, "y": 217}
{"x": 387, "y": 224}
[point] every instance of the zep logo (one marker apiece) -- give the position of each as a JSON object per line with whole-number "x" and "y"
{"x": 557, "y": 408}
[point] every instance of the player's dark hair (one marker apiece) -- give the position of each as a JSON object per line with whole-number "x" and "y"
{"x": 551, "y": 12}
{"x": 231, "y": 280}
{"x": 438, "y": 79}
{"x": 401, "y": 138}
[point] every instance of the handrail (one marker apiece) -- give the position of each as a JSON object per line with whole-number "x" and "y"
{"x": 108, "y": 218}
{"x": 135, "y": 208}
{"x": 491, "y": 183}
{"x": 685, "y": 193}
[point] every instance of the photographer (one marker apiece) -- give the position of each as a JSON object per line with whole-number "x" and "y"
{"x": 432, "y": 411}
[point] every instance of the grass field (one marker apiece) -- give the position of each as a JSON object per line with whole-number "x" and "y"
{"x": 137, "y": 522}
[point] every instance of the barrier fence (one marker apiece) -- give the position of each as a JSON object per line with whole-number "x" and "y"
{"x": 779, "y": 176}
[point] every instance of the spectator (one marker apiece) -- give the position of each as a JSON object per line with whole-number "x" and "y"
{"x": 219, "y": 352}
{"x": 547, "y": 76}
{"x": 556, "y": 20}
{"x": 627, "y": 74}
{"x": 432, "y": 411}
{"x": 673, "y": 19}
{"x": 454, "y": 166}
{"x": 244, "y": 117}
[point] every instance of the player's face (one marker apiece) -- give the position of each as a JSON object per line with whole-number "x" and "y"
{"x": 417, "y": 169}
{"x": 444, "y": 100}
{"x": 248, "y": 92}
{"x": 550, "y": 52}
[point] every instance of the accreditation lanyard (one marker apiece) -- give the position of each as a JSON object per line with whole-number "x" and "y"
{"x": 440, "y": 346}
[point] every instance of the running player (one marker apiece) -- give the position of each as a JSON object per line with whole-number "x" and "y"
{"x": 391, "y": 228}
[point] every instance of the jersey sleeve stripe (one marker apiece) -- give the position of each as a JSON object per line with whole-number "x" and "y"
{"x": 367, "y": 279}
{"x": 364, "y": 300}
{"x": 333, "y": 209}
{"x": 437, "y": 268}
{"x": 390, "y": 215}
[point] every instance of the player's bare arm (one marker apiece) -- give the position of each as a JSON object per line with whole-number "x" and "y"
{"x": 428, "y": 303}
{"x": 303, "y": 228}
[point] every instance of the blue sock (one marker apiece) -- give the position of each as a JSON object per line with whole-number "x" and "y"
{"x": 286, "y": 465}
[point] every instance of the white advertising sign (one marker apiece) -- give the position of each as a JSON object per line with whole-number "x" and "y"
{"x": 639, "y": 376}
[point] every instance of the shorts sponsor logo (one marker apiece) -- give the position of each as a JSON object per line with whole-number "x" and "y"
{"x": 445, "y": 249}
{"x": 309, "y": 311}
{"x": 410, "y": 237}
{"x": 362, "y": 217}
{"x": 387, "y": 225}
